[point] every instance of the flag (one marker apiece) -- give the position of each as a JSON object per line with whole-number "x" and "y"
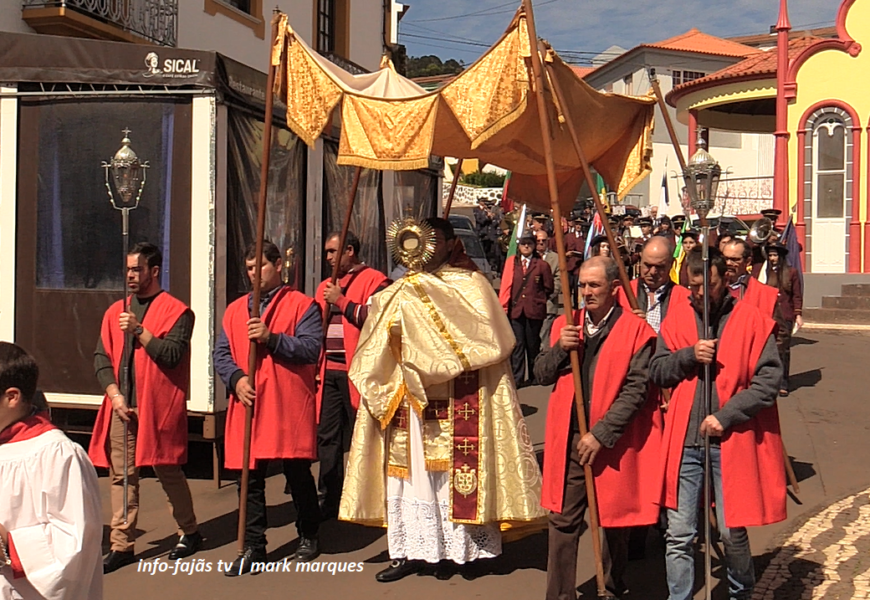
{"x": 664, "y": 199}
{"x": 507, "y": 205}
{"x": 507, "y": 276}
{"x": 679, "y": 255}
{"x": 596, "y": 229}
{"x": 790, "y": 241}
{"x": 602, "y": 191}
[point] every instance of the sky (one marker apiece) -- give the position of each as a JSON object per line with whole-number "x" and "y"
{"x": 579, "y": 29}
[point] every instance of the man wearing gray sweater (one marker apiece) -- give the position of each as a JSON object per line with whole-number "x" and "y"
{"x": 743, "y": 425}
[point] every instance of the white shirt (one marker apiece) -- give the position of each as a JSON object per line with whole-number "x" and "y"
{"x": 50, "y": 504}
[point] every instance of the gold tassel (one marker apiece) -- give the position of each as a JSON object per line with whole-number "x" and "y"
{"x": 439, "y": 464}
{"x": 396, "y": 471}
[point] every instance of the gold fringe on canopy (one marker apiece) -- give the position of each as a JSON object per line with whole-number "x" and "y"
{"x": 390, "y": 123}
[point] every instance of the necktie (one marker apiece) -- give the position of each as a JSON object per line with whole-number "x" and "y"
{"x": 525, "y": 265}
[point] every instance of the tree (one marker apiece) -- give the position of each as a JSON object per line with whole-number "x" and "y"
{"x": 430, "y": 65}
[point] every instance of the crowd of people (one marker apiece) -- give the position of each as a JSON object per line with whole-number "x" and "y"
{"x": 417, "y": 379}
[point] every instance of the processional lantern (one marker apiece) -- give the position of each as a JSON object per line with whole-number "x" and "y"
{"x": 127, "y": 173}
{"x": 128, "y": 176}
{"x": 705, "y": 172}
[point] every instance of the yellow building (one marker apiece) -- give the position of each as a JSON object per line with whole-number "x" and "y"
{"x": 813, "y": 95}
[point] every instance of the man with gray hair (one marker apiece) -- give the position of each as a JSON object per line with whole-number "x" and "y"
{"x": 624, "y": 435}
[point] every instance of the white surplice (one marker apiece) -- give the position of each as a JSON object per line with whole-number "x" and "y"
{"x": 50, "y": 504}
{"x": 418, "y": 514}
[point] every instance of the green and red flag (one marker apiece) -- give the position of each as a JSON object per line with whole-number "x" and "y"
{"x": 507, "y": 276}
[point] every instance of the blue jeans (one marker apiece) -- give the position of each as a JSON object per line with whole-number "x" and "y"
{"x": 683, "y": 527}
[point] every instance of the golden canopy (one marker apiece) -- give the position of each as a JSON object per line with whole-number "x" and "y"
{"x": 390, "y": 123}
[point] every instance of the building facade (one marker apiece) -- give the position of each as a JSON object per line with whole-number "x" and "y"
{"x": 746, "y": 158}
{"x": 188, "y": 79}
{"x": 811, "y": 94}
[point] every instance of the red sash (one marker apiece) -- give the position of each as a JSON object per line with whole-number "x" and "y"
{"x": 161, "y": 394}
{"x": 627, "y": 480}
{"x": 753, "y": 476}
{"x": 763, "y": 297}
{"x": 284, "y": 423}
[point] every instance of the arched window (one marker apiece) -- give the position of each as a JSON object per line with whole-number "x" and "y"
{"x": 828, "y": 205}
{"x": 829, "y": 140}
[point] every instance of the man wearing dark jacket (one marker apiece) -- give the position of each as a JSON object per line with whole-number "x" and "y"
{"x": 532, "y": 285}
{"x": 778, "y": 274}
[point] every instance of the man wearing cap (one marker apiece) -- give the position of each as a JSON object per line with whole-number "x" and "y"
{"x": 782, "y": 277}
{"x": 486, "y": 223}
{"x": 575, "y": 247}
{"x": 532, "y": 285}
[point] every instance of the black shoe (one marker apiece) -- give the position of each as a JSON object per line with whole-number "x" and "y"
{"x": 783, "y": 393}
{"x": 445, "y": 569}
{"x": 399, "y": 569}
{"x": 243, "y": 562}
{"x": 308, "y": 549}
{"x": 115, "y": 560}
{"x": 187, "y": 545}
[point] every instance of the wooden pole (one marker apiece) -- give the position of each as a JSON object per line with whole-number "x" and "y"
{"x": 587, "y": 172}
{"x": 538, "y": 82}
{"x": 678, "y": 150}
{"x": 453, "y": 185}
{"x": 255, "y": 302}
{"x": 341, "y": 242}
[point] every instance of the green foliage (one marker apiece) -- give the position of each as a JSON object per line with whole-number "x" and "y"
{"x": 481, "y": 179}
{"x": 426, "y": 66}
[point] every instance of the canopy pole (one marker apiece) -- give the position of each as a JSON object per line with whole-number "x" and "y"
{"x": 678, "y": 150}
{"x": 587, "y": 173}
{"x": 453, "y": 185}
{"x": 538, "y": 82}
{"x": 342, "y": 240}
{"x": 255, "y": 302}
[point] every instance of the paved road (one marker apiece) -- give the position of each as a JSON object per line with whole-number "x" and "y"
{"x": 825, "y": 539}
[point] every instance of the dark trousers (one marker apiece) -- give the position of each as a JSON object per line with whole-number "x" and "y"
{"x": 333, "y": 438}
{"x": 528, "y": 334}
{"x": 564, "y": 537}
{"x": 301, "y": 483}
{"x": 785, "y": 352}
{"x": 573, "y": 278}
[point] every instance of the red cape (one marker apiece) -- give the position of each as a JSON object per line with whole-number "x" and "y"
{"x": 763, "y": 297}
{"x": 284, "y": 423}
{"x": 627, "y": 481}
{"x": 363, "y": 284}
{"x": 161, "y": 394}
{"x": 753, "y": 477}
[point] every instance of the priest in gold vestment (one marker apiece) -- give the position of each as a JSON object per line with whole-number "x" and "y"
{"x": 440, "y": 451}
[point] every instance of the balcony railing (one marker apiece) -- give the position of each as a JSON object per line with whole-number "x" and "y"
{"x": 152, "y": 20}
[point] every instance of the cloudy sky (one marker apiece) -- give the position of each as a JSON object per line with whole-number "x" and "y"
{"x": 463, "y": 29}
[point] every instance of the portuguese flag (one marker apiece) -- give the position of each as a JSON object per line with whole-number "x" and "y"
{"x": 507, "y": 276}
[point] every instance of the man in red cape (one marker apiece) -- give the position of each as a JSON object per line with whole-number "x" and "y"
{"x": 746, "y": 447}
{"x": 738, "y": 256}
{"x": 622, "y": 444}
{"x": 337, "y": 398}
{"x": 157, "y": 329}
{"x": 288, "y": 335}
